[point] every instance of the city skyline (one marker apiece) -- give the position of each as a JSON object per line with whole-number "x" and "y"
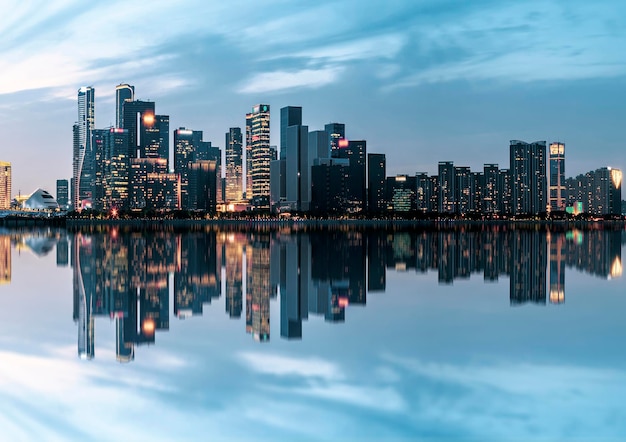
{"x": 422, "y": 82}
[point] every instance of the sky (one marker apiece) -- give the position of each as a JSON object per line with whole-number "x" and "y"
{"x": 422, "y": 81}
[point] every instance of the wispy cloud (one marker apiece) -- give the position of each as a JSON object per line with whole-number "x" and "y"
{"x": 285, "y": 80}
{"x": 289, "y": 366}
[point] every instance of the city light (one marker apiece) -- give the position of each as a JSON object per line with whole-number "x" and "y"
{"x": 148, "y": 119}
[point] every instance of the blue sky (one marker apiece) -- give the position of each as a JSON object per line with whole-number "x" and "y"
{"x": 422, "y": 81}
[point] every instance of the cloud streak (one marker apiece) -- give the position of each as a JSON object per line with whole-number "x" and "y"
{"x": 277, "y": 81}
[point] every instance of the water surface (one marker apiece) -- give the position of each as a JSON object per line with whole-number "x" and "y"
{"x": 312, "y": 335}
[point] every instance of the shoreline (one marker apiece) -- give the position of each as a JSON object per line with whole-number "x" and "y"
{"x": 448, "y": 224}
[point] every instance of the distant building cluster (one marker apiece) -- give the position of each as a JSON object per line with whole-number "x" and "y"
{"x": 523, "y": 189}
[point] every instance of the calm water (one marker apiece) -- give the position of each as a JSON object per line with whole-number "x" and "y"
{"x": 336, "y": 335}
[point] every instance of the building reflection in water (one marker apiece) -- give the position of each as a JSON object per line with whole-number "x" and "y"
{"x": 127, "y": 276}
{"x": 5, "y": 259}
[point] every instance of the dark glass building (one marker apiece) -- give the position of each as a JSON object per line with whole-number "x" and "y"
{"x": 376, "y": 182}
{"x": 528, "y": 177}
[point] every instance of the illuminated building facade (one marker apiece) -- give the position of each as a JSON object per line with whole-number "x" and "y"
{"x": 138, "y": 116}
{"x": 557, "y": 176}
{"x": 83, "y": 155}
{"x": 123, "y": 93}
{"x": 423, "y": 192}
{"x": 151, "y": 186}
{"x": 186, "y": 143}
{"x": 5, "y": 185}
{"x": 234, "y": 164}
{"x": 401, "y": 193}
{"x": 528, "y": 177}
{"x": 117, "y": 169}
{"x": 258, "y": 147}
{"x": 335, "y": 132}
{"x": 462, "y": 189}
{"x": 62, "y": 193}
{"x": 356, "y": 153}
{"x": 446, "y": 187}
{"x": 598, "y": 192}
{"x": 492, "y": 189}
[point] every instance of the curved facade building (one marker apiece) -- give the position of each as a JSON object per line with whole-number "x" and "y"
{"x": 83, "y": 158}
{"x": 41, "y": 200}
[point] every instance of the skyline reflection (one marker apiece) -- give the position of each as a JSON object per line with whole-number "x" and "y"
{"x": 132, "y": 277}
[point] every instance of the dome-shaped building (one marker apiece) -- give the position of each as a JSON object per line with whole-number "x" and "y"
{"x": 41, "y": 200}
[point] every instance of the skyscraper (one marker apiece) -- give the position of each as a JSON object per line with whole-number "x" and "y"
{"x": 248, "y": 169}
{"x": 5, "y": 185}
{"x": 492, "y": 190}
{"x": 557, "y": 176}
{"x": 186, "y": 143}
{"x": 336, "y": 132}
{"x": 462, "y": 189}
{"x": 117, "y": 169}
{"x": 446, "y": 188}
{"x": 202, "y": 189}
{"x": 123, "y": 93}
{"x": 376, "y": 176}
{"x": 258, "y": 146}
{"x": 137, "y": 115}
{"x": 97, "y": 143}
{"x": 83, "y": 160}
{"x": 234, "y": 164}
{"x": 528, "y": 177}
{"x": 62, "y": 192}
{"x": 356, "y": 153}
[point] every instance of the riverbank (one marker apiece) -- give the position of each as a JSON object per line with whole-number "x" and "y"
{"x": 266, "y": 223}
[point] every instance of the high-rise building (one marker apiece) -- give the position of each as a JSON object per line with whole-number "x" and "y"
{"x": 356, "y": 153}
{"x": 234, "y": 164}
{"x": 462, "y": 189}
{"x": 258, "y": 147}
{"x": 208, "y": 152}
{"x": 123, "y": 93}
{"x": 599, "y": 191}
{"x": 186, "y": 144}
{"x": 336, "y": 132}
{"x": 5, "y": 185}
{"x": 154, "y": 137}
{"x": 117, "y": 169}
{"x": 557, "y": 176}
{"x": 138, "y": 115}
{"x": 62, "y": 192}
{"x": 151, "y": 186}
{"x": 202, "y": 191}
{"x": 446, "y": 188}
{"x": 477, "y": 183}
{"x": 289, "y": 116}
{"x": 83, "y": 160}
{"x": 492, "y": 189}
{"x": 376, "y": 181}
{"x": 401, "y": 193}
{"x": 329, "y": 185}
{"x": 424, "y": 192}
{"x": 528, "y": 177}
{"x": 248, "y": 162}
{"x": 97, "y": 143}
